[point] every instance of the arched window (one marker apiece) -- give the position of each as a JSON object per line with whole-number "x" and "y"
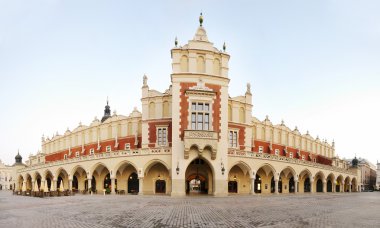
{"x": 109, "y": 131}
{"x": 242, "y": 115}
{"x": 201, "y": 64}
{"x": 165, "y": 109}
{"x": 152, "y": 110}
{"x": 139, "y": 127}
{"x": 129, "y": 128}
{"x": 229, "y": 113}
{"x": 216, "y": 66}
{"x": 184, "y": 64}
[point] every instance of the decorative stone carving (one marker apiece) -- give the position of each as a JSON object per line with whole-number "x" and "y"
{"x": 202, "y": 141}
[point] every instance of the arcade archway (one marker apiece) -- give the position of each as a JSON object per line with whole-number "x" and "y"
{"x": 199, "y": 177}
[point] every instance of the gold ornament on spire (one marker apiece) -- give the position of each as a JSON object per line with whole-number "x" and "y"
{"x": 201, "y": 20}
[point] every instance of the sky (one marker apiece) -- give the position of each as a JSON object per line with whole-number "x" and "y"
{"x": 313, "y": 64}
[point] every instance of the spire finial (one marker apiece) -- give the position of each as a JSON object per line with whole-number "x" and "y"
{"x": 224, "y": 46}
{"x": 201, "y": 19}
{"x": 107, "y": 100}
{"x": 176, "y": 42}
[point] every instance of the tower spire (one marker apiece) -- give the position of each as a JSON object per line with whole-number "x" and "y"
{"x": 107, "y": 112}
{"x": 201, "y": 19}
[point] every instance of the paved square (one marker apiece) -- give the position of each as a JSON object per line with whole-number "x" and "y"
{"x": 316, "y": 210}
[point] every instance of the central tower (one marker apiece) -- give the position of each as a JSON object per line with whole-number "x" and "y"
{"x": 199, "y": 114}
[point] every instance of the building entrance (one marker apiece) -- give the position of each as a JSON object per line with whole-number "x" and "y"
{"x": 199, "y": 177}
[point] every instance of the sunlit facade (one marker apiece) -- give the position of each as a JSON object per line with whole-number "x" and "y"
{"x": 192, "y": 138}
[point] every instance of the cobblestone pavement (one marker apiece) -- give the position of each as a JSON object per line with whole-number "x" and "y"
{"x": 311, "y": 210}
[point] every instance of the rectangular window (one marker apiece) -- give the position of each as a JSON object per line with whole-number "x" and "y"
{"x": 261, "y": 149}
{"x": 291, "y": 155}
{"x": 92, "y": 151}
{"x": 162, "y": 136}
{"x": 233, "y": 139}
{"x": 127, "y": 146}
{"x": 200, "y": 116}
{"x": 277, "y": 151}
{"x": 65, "y": 156}
{"x": 303, "y": 157}
{"x": 108, "y": 149}
{"x": 77, "y": 154}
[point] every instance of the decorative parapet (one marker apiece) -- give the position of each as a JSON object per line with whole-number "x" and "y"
{"x": 201, "y": 140}
{"x": 113, "y": 154}
{"x": 249, "y": 154}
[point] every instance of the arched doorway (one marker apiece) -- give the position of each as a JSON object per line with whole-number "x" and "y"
{"x": 80, "y": 182}
{"x": 127, "y": 178}
{"x": 329, "y": 186}
{"x": 199, "y": 177}
{"x": 75, "y": 184}
{"x": 258, "y": 184}
{"x": 292, "y": 186}
{"x": 319, "y": 185}
{"x": 239, "y": 180}
{"x": 133, "y": 183}
{"x": 93, "y": 184}
{"x": 156, "y": 178}
{"x": 101, "y": 180}
{"x": 267, "y": 183}
{"x": 232, "y": 187}
{"x": 160, "y": 186}
{"x": 63, "y": 179}
{"x": 306, "y": 185}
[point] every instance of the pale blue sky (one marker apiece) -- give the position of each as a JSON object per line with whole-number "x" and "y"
{"x": 315, "y": 64}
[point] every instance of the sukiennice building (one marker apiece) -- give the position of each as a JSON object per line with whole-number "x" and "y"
{"x": 191, "y": 139}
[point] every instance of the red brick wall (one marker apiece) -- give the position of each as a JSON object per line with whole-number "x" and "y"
{"x": 153, "y": 132}
{"x": 241, "y": 134}
{"x": 122, "y": 141}
{"x": 184, "y": 104}
{"x": 320, "y": 159}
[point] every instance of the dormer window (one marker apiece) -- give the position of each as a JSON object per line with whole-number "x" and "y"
{"x": 261, "y": 149}
{"x": 200, "y": 116}
{"x": 92, "y": 151}
{"x": 127, "y": 146}
{"x": 276, "y": 151}
{"x": 108, "y": 149}
{"x": 65, "y": 156}
{"x": 77, "y": 154}
{"x": 291, "y": 155}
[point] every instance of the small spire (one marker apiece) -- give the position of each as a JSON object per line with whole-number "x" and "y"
{"x": 176, "y": 42}
{"x": 145, "y": 80}
{"x": 282, "y": 123}
{"x": 201, "y": 19}
{"x": 224, "y": 46}
{"x": 248, "y": 88}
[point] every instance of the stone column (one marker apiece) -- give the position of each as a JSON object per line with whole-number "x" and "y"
{"x": 296, "y": 186}
{"x": 89, "y": 185}
{"x": 33, "y": 183}
{"x": 112, "y": 185}
{"x": 311, "y": 186}
{"x": 342, "y": 187}
{"x": 349, "y": 187}
{"x": 70, "y": 185}
{"x": 141, "y": 185}
{"x": 54, "y": 185}
{"x": 275, "y": 186}
{"x": 324, "y": 186}
{"x": 252, "y": 186}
